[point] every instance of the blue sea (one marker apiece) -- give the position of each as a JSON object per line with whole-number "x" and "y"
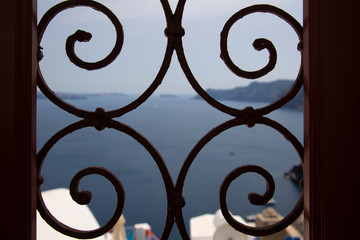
{"x": 173, "y": 125}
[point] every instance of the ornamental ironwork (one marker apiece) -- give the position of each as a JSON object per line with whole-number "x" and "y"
{"x": 101, "y": 119}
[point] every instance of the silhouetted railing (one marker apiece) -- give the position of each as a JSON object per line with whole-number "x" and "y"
{"x": 101, "y": 119}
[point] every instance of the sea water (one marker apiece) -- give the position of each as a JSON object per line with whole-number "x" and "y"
{"x": 173, "y": 125}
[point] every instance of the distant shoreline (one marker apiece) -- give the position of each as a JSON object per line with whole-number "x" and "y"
{"x": 254, "y": 92}
{"x": 64, "y": 95}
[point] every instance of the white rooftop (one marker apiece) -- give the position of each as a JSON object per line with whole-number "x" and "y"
{"x": 63, "y": 208}
{"x": 215, "y": 227}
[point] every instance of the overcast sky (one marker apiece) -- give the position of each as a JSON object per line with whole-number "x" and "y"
{"x": 144, "y": 46}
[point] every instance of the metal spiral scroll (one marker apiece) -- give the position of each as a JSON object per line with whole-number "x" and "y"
{"x": 254, "y": 198}
{"x": 101, "y": 119}
{"x": 98, "y": 119}
{"x": 84, "y": 197}
{"x": 84, "y": 36}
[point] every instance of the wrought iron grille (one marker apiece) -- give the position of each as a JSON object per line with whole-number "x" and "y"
{"x": 101, "y": 119}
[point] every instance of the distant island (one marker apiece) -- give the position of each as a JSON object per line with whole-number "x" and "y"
{"x": 259, "y": 92}
{"x": 168, "y": 96}
{"x": 64, "y": 95}
{"x": 295, "y": 174}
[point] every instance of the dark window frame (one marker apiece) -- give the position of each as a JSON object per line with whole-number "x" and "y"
{"x": 330, "y": 168}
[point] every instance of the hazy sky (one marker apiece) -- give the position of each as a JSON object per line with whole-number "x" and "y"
{"x": 144, "y": 46}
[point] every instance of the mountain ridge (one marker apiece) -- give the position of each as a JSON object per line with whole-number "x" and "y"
{"x": 259, "y": 92}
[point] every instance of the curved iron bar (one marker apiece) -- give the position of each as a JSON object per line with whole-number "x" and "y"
{"x": 254, "y": 198}
{"x": 82, "y": 35}
{"x": 85, "y": 197}
{"x": 259, "y": 44}
{"x": 250, "y": 122}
